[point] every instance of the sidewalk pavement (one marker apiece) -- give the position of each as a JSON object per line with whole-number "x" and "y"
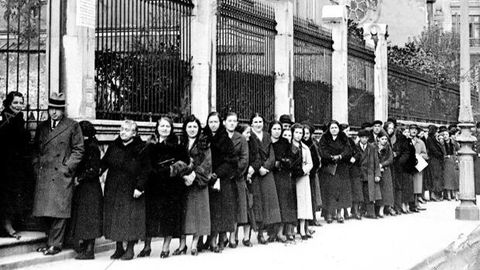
{"x": 396, "y": 243}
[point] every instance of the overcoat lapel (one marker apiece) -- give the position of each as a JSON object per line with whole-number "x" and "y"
{"x": 61, "y": 127}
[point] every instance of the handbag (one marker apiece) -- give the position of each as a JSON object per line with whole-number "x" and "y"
{"x": 331, "y": 169}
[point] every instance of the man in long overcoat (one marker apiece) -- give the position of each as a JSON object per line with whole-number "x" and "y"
{"x": 59, "y": 149}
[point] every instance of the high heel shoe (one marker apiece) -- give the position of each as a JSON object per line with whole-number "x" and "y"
{"x": 261, "y": 240}
{"x": 215, "y": 249}
{"x": 304, "y": 237}
{"x": 247, "y": 243}
{"x": 180, "y": 251}
{"x": 164, "y": 254}
{"x": 144, "y": 253}
{"x": 15, "y": 235}
{"x": 194, "y": 252}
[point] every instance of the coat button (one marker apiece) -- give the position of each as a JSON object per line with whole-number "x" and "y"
{"x": 53, "y": 180}
{"x": 56, "y": 169}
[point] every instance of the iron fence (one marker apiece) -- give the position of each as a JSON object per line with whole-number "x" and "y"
{"x": 143, "y": 59}
{"x": 361, "y": 62}
{"x": 415, "y": 97}
{"x": 22, "y": 55}
{"x": 312, "y": 85}
{"x": 245, "y": 58}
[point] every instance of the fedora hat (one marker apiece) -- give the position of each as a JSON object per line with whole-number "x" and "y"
{"x": 56, "y": 100}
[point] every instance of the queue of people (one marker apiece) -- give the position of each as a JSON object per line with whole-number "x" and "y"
{"x": 275, "y": 178}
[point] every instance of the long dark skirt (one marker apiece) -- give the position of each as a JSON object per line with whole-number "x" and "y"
{"x": 407, "y": 188}
{"x": 386, "y": 187}
{"x": 223, "y": 207}
{"x": 356, "y": 184}
{"x": 87, "y": 210}
{"x": 265, "y": 200}
{"x": 197, "y": 211}
{"x": 315, "y": 192}
{"x": 451, "y": 174}
{"x": 339, "y": 194}
{"x": 286, "y": 196}
{"x": 241, "y": 196}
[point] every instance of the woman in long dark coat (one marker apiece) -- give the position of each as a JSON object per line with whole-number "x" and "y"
{"x": 197, "y": 207}
{"x": 404, "y": 161}
{"x": 335, "y": 152}
{"x": 14, "y": 167}
{"x": 284, "y": 183}
{"x": 87, "y": 205}
{"x": 450, "y": 173}
{"x": 223, "y": 203}
{"x": 314, "y": 180}
{"x": 240, "y": 145}
{"x": 436, "y": 165}
{"x": 127, "y": 163}
{"x": 166, "y": 189}
{"x": 385, "y": 155}
{"x": 253, "y": 166}
{"x": 265, "y": 198}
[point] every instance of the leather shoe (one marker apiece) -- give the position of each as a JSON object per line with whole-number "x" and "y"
{"x": 247, "y": 243}
{"x": 52, "y": 251}
{"x": 421, "y": 208}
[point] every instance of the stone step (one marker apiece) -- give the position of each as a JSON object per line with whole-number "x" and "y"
{"x": 31, "y": 257}
{"x": 29, "y": 242}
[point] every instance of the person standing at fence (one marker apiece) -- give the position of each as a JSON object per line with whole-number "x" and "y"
{"x": 370, "y": 175}
{"x": 286, "y": 121}
{"x": 335, "y": 152}
{"x": 354, "y": 171}
{"x": 58, "y": 151}
{"x": 166, "y": 188}
{"x": 420, "y": 150}
{"x": 284, "y": 184}
{"x": 385, "y": 158}
{"x": 377, "y": 128}
{"x": 127, "y": 162}
{"x": 450, "y": 173}
{"x": 265, "y": 193}
{"x": 302, "y": 164}
{"x": 314, "y": 181}
{"x": 253, "y": 165}
{"x": 87, "y": 210}
{"x": 14, "y": 167}
{"x": 240, "y": 146}
{"x": 196, "y": 220}
{"x": 436, "y": 152}
{"x": 223, "y": 204}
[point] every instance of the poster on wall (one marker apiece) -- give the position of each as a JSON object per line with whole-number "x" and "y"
{"x": 86, "y": 13}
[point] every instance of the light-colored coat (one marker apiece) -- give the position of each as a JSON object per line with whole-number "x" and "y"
{"x": 58, "y": 153}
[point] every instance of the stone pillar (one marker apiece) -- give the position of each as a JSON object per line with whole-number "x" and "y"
{"x": 375, "y": 37}
{"x": 284, "y": 103}
{"x": 336, "y": 16}
{"x": 467, "y": 210}
{"x": 204, "y": 58}
{"x": 71, "y": 54}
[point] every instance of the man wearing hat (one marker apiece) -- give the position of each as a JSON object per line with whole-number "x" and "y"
{"x": 420, "y": 150}
{"x": 377, "y": 128}
{"x": 59, "y": 149}
{"x": 286, "y": 121}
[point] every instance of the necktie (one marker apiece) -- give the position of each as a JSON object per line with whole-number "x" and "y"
{"x": 54, "y": 125}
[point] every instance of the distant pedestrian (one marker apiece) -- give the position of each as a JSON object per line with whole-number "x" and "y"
{"x": 15, "y": 168}
{"x": 436, "y": 153}
{"x": 451, "y": 173}
{"x": 59, "y": 150}
{"x": 87, "y": 209}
